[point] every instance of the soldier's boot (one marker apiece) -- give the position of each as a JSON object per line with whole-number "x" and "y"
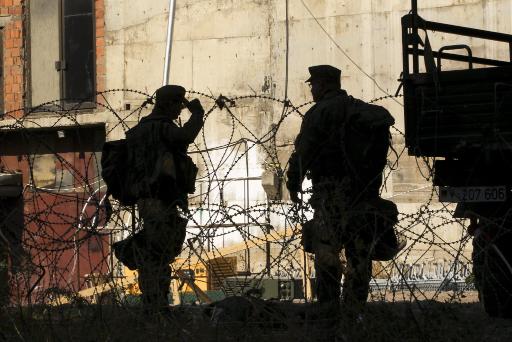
{"x": 154, "y": 282}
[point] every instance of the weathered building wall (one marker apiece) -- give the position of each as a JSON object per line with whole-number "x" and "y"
{"x": 60, "y": 166}
{"x": 239, "y": 47}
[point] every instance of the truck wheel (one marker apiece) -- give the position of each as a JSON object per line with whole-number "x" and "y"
{"x": 493, "y": 275}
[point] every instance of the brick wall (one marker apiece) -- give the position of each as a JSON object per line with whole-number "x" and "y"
{"x": 13, "y": 52}
{"x": 100, "y": 45}
{"x": 14, "y": 85}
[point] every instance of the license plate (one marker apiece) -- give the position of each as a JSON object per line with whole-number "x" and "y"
{"x": 473, "y": 194}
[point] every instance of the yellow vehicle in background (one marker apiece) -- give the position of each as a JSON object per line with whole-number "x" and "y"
{"x": 192, "y": 278}
{"x": 199, "y": 278}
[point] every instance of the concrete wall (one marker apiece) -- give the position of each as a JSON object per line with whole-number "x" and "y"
{"x": 233, "y": 47}
{"x": 238, "y": 47}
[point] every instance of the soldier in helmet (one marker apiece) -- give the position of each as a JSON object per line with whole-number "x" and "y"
{"x": 162, "y": 175}
{"x": 319, "y": 154}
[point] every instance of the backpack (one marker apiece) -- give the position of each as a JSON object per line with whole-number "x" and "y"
{"x": 162, "y": 171}
{"x": 365, "y": 141}
{"x": 116, "y": 171}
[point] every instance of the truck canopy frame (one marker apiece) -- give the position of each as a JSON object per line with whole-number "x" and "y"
{"x": 451, "y": 113}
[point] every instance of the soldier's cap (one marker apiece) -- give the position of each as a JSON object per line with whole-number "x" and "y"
{"x": 324, "y": 72}
{"x": 170, "y": 93}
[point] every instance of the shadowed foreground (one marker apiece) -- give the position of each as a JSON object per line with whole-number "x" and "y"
{"x": 242, "y": 320}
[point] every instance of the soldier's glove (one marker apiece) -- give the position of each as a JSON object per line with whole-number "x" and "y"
{"x": 195, "y": 106}
{"x": 294, "y": 196}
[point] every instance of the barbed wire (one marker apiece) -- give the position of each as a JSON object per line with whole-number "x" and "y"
{"x": 66, "y": 235}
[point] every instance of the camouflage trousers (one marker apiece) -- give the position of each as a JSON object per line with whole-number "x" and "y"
{"x": 164, "y": 234}
{"x": 337, "y": 227}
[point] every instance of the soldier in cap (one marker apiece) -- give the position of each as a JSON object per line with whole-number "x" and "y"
{"x": 163, "y": 174}
{"x": 318, "y": 154}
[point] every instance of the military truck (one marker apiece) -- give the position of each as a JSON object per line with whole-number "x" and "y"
{"x": 461, "y": 119}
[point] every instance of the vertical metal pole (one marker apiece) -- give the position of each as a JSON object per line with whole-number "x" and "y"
{"x": 246, "y": 204}
{"x": 170, "y": 29}
{"x": 414, "y": 7}
{"x": 110, "y": 242}
{"x": 267, "y": 243}
{"x": 415, "y": 59}
{"x": 405, "y": 48}
{"x": 77, "y": 246}
{"x": 287, "y": 55}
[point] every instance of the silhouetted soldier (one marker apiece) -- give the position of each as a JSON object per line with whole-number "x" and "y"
{"x": 163, "y": 174}
{"x": 319, "y": 152}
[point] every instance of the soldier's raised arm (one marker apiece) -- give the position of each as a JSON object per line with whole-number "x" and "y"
{"x": 190, "y": 130}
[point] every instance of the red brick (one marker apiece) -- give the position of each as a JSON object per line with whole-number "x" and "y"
{"x": 16, "y": 88}
{"x": 12, "y": 107}
{"x": 15, "y": 10}
{"x": 100, "y": 50}
{"x": 100, "y": 32}
{"x": 7, "y": 2}
{"x": 100, "y": 22}
{"x": 100, "y": 83}
{"x": 9, "y": 97}
{"x": 100, "y": 13}
{"x": 100, "y": 69}
{"x": 9, "y": 43}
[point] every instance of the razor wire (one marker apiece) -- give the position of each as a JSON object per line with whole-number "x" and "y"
{"x": 57, "y": 242}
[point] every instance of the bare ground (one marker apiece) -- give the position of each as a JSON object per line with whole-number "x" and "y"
{"x": 402, "y": 320}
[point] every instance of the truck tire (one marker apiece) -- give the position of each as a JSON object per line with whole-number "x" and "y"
{"x": 493, "y": 275}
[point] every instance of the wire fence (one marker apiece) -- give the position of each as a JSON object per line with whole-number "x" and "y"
{"x": 239, "y": 236}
